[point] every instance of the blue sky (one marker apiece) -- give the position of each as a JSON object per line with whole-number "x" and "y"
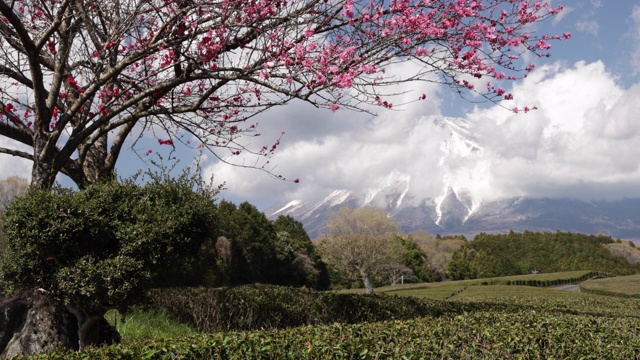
{"x": 602, "y": 30}
{"x": 581, "y": 142}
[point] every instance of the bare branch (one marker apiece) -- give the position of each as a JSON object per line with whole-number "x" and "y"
{"x": 17, "y": 153}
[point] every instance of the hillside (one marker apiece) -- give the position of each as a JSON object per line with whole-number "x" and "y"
{"x": 522, "y": 253}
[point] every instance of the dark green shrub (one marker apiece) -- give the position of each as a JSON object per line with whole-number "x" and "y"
{"x": 260, "y": 251}
{"x": 101, "y": 247}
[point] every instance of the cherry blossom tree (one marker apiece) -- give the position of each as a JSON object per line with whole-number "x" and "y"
{"x": 79, "y": 77}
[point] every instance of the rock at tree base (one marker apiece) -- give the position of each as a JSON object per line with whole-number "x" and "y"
{"x": 35, "y": 324}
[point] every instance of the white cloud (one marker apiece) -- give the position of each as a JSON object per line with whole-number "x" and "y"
{"x": 344, "y": 149}
{"x": 590, "y": 26}
{"x": 349, "y": 160}
{"x": 561, "y": 15}
{"x": 581, "y": 142}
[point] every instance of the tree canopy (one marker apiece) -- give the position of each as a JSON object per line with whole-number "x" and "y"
{"x": 259, "y": 250}
{"x": 78, "y": 77}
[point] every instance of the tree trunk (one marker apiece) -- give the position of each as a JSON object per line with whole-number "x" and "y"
{"x": 88, "y": 325}
{"x": 35, "y": 324}
{"x": 42, "y": 174}
{"x": 89, "y": 331}
{"x": 367, "y": 282}
{"x": 95, "y": 166}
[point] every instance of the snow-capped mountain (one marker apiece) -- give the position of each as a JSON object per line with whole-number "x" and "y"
{"x": 618, "y": 219}
{"x": 446, "y": 211}
{"x": 388, "y": 195}
{"x": 458, "y": 209}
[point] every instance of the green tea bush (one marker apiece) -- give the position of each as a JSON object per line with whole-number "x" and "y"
{"x": 579, "y": 326}
{"x": 270, "y": 307}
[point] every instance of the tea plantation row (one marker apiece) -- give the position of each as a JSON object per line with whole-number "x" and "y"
{"x": 483, "y": 321}
{"x": 520, "y": 334}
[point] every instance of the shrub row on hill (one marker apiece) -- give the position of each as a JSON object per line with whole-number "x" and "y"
{"x": 268, "y": 307}
{"x": 624, "y": 287}
{"x": 588, "y": 290}
{"x": 556, "y": 282}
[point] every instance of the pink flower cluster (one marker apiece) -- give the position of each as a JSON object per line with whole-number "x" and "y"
{"x": 165, "y": 142}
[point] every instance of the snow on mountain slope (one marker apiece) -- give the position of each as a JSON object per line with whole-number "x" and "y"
{"x": 457, "y": 182}
{"x": 390, "y": 191}
{"x": 462, "y": 142}
{"x": 289, "y": 207}
{"x": 336, "y": 198}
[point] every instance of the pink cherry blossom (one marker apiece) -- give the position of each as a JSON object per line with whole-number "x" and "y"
{"x": 204, "y": 68}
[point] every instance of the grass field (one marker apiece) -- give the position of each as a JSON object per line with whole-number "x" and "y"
{"x": 458, "y": 289}
{"x": 147, "y": 325}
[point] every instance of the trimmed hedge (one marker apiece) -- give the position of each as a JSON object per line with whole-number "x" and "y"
{"x": 556, "y": 282}
{"x": 258, "y": 306}
{"x": 272, "y": 307}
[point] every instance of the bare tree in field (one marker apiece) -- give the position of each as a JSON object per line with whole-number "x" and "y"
{"x": 10, "y": 188}
{"x": 361, "y": 243}
{"x": 79, "y": 77}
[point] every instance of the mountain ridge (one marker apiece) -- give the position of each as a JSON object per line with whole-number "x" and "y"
{"x": 618, "y": 219}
